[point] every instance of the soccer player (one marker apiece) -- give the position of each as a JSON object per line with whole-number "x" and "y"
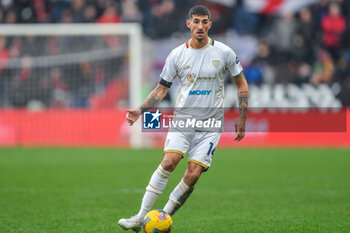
{"x": 200, "y": 66}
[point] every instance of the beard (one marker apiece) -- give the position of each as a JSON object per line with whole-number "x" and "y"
{"x": 200, "y": 38}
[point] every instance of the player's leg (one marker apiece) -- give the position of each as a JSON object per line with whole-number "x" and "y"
{"x": 175, "y": 148}
{"x": 158, "y": 181}
{"x": 200, "y": 157}
{"x": 184, "y": 189}
{"x": 155, "y": 187}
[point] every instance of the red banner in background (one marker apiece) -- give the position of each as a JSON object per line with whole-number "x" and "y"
{"x": 109, "y": 128}
{"x": 288, "y": 128}
{"x": 63, "y": 128}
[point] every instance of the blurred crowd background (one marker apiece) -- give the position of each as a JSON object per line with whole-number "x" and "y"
{"x": 310, "y": 45}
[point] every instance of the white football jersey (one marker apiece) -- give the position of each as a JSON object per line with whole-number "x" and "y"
{"x": 201, "y": 73}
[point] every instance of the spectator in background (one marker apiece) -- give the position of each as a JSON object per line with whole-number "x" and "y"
{"x": 244, "y": 22}
{"x": 90, "y": 14}
{"x": 344, "y": 92}
{"x": 82, "y": 85}
{"x": 110, "y": 15}
{"x": 304, "y": 38}
{"x": 181, "y": 8}
{"x": 333, "y": 26}
{"x": 31, "y": 45}
{"x": 1, "y": 16}
{"x": 319, "y": 10}
{"x": 78, "y": 7}
{"x": 262, "y": 61}
{"x": 254, "y": 73}
{"x": 20, "y": 89}
{"x": 66, "y": 16}
{"x": 4, "y": 54}
{"x": 40, "y": 8}
{"x": 282, "y": 34}
{"x": 303, "y": 74}
{"x": 344, "y": 7}
{"x": 301, "y": 51}
{"x": 58, "y": 89}
{"x": 343, "y": 76}
{"x": 323, "y": 68}
{"x": 130, "y": 11}
{"x": 4, "y": 78}
{"x": 52, "y": 46}
{"x": 15, "y": 47}
{"x": 55, "y": 10}
{"x": 159, "y": 19}
{"x": 11, "y": 17}
{"x": 101, "y": 6}
{"x": 346, "y": 42}
{"x": 264, "y": 52}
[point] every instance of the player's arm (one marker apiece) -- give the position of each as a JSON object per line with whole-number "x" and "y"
{"x": 242, "y": 92}
{"x": 152, "y": 100}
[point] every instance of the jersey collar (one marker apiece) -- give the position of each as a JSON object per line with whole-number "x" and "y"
{"x": 210, "y": 41}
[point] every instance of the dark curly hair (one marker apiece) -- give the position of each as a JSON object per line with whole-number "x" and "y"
{"x": 199, "y": 10}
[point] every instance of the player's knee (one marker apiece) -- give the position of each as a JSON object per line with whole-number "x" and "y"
{"x": 170, "y": 161}
{"x": 191, "y": 177}
{"x": 168, "y": 164}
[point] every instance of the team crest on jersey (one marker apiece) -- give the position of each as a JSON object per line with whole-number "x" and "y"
{"x": 190, "y": 78}
{"x": 216, "y": 63}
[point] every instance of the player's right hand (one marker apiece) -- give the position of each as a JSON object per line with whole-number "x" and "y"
{"x": 240, "y": 129}
{"x": 132, "y": 115}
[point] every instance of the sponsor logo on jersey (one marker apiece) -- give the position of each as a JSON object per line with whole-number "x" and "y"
{"x": 151, "y": 120}
{"x": 216, "y": 63}
{"x": 199, "y": 92}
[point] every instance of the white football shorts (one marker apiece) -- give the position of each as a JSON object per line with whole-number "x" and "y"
{"x": 199, "y": 145}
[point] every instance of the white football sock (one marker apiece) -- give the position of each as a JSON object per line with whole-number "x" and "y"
{"x": 178, "y": 197}
{"x": 155, "y": 187}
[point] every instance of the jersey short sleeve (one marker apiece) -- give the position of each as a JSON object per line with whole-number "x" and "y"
{"x": 233, "y": 64}
{"x": 169, "y": 70}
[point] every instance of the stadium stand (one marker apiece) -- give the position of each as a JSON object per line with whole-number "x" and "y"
{"x": 310, "y": 45}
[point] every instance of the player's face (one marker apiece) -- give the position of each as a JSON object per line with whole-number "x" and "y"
{"x": 199, "y": 26}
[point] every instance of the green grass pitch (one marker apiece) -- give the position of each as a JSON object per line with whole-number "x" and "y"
{"x": 245, "y": 190}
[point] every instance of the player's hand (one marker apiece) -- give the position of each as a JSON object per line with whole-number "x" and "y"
{"x": 132, "y": 115}
{"x": 240, "y": 129}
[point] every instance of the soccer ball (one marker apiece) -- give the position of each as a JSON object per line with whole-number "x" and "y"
{"x": 157, "y": 221}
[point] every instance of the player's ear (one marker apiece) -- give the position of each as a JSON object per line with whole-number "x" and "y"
{"x": 210, "y": 24}
{"x": 188, "y": 23}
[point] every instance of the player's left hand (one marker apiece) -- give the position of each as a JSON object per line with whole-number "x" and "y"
{"x": 240, "y": 129}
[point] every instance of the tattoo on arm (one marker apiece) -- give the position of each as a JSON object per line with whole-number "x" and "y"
{"x": 239, "y": 76}
{"x": 154, "y": 97}
{"x": 243, "y": 104}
